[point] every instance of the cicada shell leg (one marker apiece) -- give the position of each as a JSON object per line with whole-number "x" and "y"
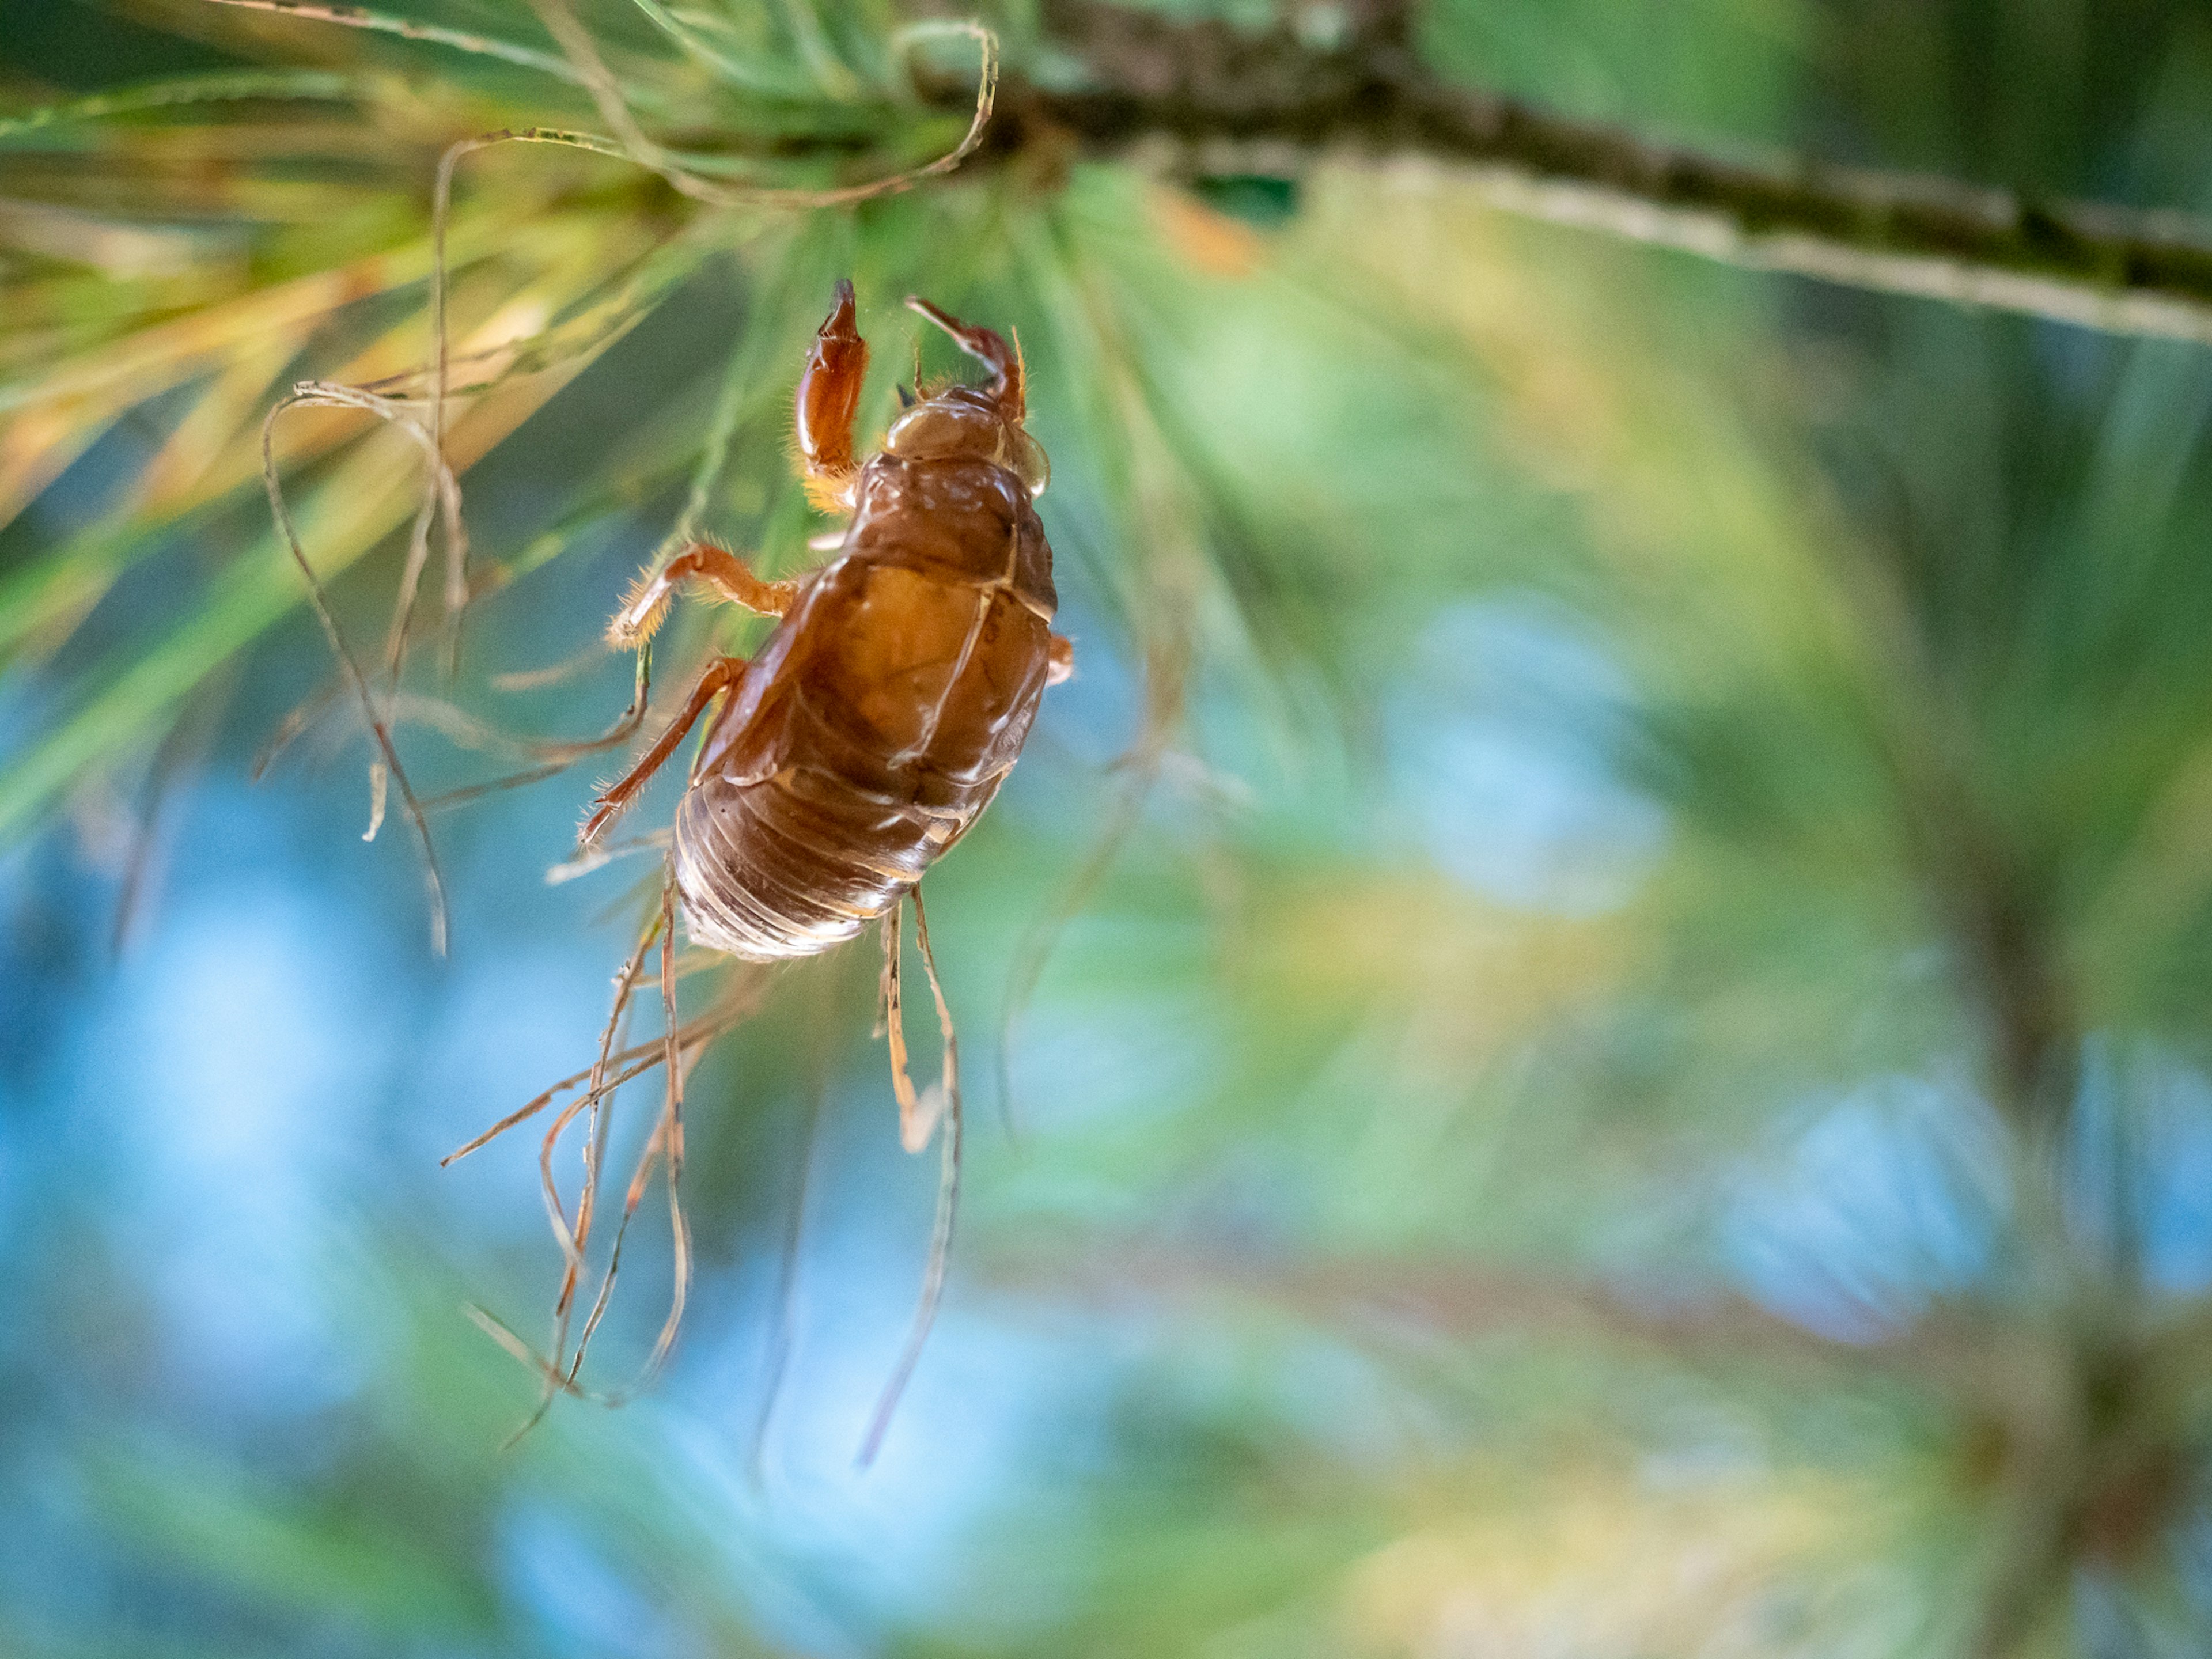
{"x": 828, "y": 402}
{"x": 987, "y": 346}
{"x": 730, "y": 576}
{"x": 914, "y": 1130}
{"x": 721, "y": 674}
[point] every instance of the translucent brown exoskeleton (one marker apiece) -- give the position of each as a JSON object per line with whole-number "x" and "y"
{"x": 882, "y": 714}
{"x": 880, "y": 717}
{"x": 877, "y": 720}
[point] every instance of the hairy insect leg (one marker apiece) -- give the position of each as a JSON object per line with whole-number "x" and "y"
{"x": 988, "y": 347}
{"x": 730, "y": 576}
{"x": 721, "y": 674}
{"x": 827, "y": 401}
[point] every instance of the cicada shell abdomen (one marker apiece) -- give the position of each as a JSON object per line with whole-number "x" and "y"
{"x": 880, "y": 717}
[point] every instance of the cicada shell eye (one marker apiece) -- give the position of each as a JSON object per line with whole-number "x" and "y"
{"x": 1029, "y": 462}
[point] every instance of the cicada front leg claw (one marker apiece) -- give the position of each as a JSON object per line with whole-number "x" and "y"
{"x": 829, "y": 401}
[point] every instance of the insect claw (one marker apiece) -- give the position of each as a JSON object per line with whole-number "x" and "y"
{"x": 973, "y": 339}
{"x": 642, "y": 608}
{"x": 610, "y": 810}
{"x": 986, "y": 346}
{"x": 829, "y": 397}
{"x": 937, "y": 314}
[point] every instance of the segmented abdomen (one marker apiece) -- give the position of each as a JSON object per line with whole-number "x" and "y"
{"x": 799, "y": 861}
{"x": 876, "y": 723}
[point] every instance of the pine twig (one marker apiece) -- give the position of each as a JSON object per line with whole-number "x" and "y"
{"x": 1218, "y": 100}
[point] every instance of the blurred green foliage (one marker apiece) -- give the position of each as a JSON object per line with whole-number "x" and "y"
{"x": 1635, "y": 1083}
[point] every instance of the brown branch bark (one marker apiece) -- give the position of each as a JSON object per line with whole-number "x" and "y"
{"x": 1213, "y": 99}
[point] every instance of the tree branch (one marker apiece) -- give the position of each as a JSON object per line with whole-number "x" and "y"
{"x": 1228, "y": 100}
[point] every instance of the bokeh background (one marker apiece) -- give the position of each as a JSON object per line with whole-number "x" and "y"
{"x": 1619, "y": 907}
